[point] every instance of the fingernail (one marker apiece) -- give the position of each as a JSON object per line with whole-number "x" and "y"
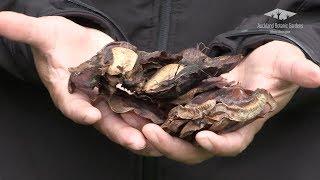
{"x": 153, "y": 136}
{"x": 136, "y": 144}
{"x": 205, "y": 142}
{"x": 93, "y": 115}
{"x": 151, "y": 133}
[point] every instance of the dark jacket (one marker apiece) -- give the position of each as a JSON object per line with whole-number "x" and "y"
{"x": 37, "y": 144}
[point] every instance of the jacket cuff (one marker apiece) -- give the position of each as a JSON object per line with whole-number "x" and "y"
{"x": 248, "y": 37}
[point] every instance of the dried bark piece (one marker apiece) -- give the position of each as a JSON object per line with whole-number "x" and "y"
{"x": 221, "y": 110}
{"x": 123, "y": 61}
{"x": 120, "y": 103}
{"x": 192, "y": 73}
{"x": 212, "y": 83}
{"x": 166, "y": 73}
{"x": 190, "y": 129}
{"x": 182, "y": 92}
{"x": 87, "y": 75}
{"x": 193, "y": 111}
{"x": 146, "y": 72}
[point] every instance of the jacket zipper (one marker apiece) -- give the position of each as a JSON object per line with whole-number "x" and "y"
{"x": 98, "y": 14}
{"x": 149, "y": 164}
{"x": 165, "y": 15}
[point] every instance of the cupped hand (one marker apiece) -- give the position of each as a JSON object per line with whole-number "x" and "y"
{"x": 58, "y": 44}
{"x": 278, "y": 67}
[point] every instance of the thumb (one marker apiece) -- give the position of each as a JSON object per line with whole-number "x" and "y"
{"x": 298, "y": 70}
{"x": 22, "y": 28}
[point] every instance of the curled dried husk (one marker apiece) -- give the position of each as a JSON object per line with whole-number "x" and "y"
{"x": 182, "y": 92}
{"x": 221, "y": 110}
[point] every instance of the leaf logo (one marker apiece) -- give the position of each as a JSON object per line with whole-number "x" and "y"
{"x": 280, "y": 14}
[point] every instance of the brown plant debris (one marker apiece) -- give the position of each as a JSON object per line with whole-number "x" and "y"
{"x": 182, "y": 92}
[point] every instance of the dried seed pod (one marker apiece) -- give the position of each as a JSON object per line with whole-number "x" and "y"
{"x": 124, "y": 60}
{"x": 182, "y": 92}
{"x": 114, "y": 57}
{"x": 193, "y": 73}
{"x": 193, "y": 111}
{"x": 166, "y": 73}
{"x": 219, "y": 110}
{"x": 121, "y": 103}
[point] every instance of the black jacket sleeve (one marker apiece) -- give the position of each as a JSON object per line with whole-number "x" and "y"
{"x": 17, "y": 58}
{"x": 249, "y": 36}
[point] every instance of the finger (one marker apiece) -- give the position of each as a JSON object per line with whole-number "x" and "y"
{"x": 78, "y": 108}
{"x": 149, "y": 151}
{"x": 118, "y": 131}
{"x": 229, "y": 144}
{"x": 173, "y": 147}
{"x": 75, "y": 106}
{"x": 19, "y": 27}
{"x": 134, "y": 120}
{"x": 300, "y": 71}
{"x": 138, "y": 122}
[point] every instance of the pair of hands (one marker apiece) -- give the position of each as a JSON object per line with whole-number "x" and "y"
{"x": 58, "y": 43}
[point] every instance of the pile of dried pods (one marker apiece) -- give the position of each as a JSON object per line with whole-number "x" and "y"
{"x": 182, "y": 92}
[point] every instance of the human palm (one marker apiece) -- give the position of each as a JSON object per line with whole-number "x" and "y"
{"x": 278, "y": 67}
{"x": 58, "y": 44}
{"x": 63, "y": 45}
